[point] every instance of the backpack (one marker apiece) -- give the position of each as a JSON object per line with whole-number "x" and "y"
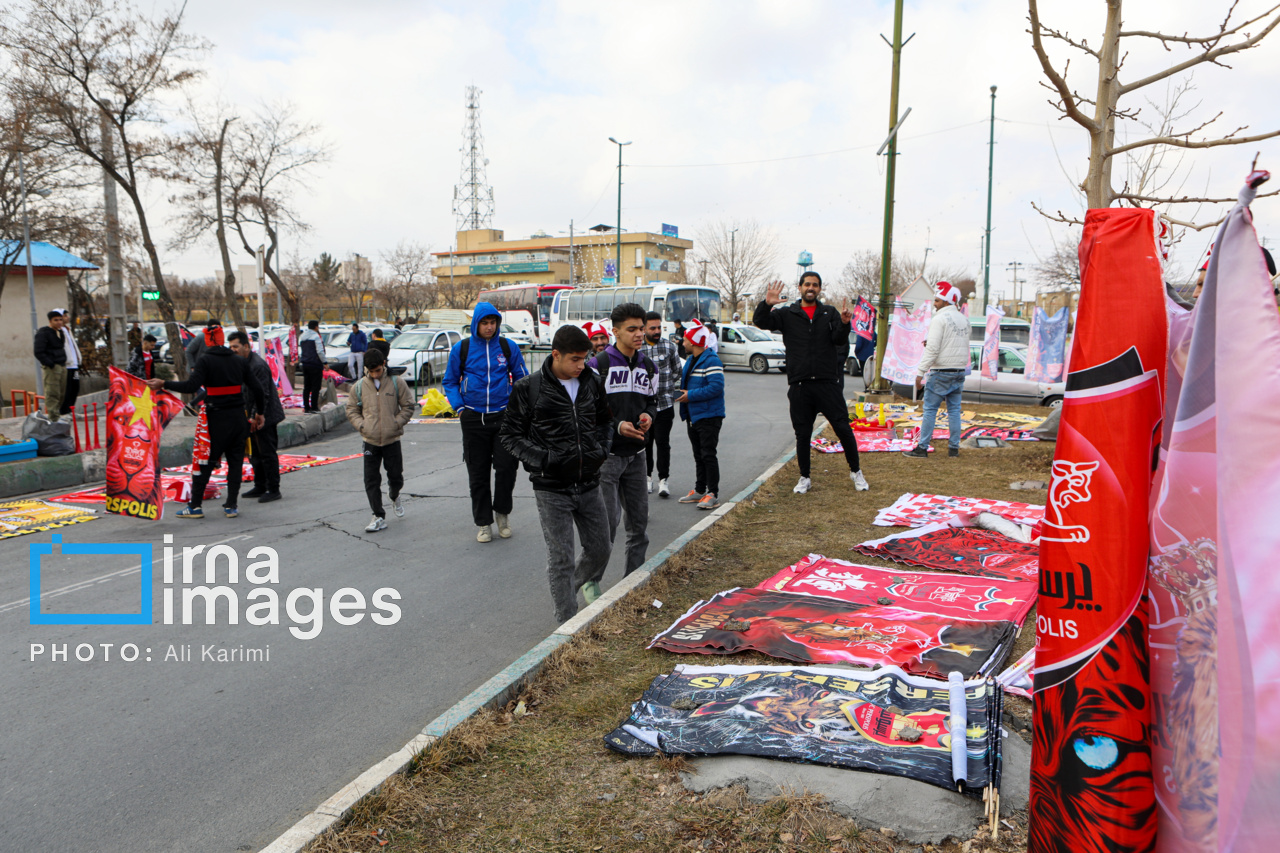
{"x": 359, "y": 390}
{"x": 465, "y": 347}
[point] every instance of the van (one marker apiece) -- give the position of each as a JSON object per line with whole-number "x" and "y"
{"x": 1012, "y": 330}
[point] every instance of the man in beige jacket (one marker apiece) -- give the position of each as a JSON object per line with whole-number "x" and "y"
{"x": 945, "y": 359}
{"x": 378, "y": 407}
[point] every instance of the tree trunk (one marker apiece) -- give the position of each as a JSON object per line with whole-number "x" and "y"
{"x": 228, "y": 277}
{"x": 176, "y": 350}
{"x": 1097, "y": 186}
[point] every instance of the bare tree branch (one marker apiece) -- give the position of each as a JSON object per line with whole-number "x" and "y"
{"x": 1058, "y": 217}
{"x": 1069, "y": 105}
{"x": 1157, "y": 200}
{"x": 1204, "y": 41}
{"x": 1211, "y": 55}
{"x": 1190, "y": 143}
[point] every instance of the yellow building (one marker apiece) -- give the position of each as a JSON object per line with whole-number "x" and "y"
{"x": 543, "y": 259}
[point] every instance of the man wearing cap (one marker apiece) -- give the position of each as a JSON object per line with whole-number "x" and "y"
{"x": 946, "y": 355}
{"x": 597, "y": 334}
{"x": 701, "y": 402}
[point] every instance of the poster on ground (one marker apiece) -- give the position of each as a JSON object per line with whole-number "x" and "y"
{"x": 917, "y": 510}
{"x": 30, "y": 515}
{"x": 882, "y": 721}
{"x": 136, "y": 418}
{"x": 1047, "y": 350}
{"x": 971, "y": 550}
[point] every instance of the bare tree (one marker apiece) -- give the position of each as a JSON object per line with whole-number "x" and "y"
{"x": 458, "y": 292}
{"x": 409, "y": 288}
{"x": 1108, "y": 58}
{"x": 742, "y": 257}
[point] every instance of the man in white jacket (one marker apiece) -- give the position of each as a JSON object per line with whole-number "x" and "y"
{"x": 946, "y": 355}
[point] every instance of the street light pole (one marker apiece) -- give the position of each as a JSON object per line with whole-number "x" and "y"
{"x": 991, "y": 162}
{"x": 886, "y": 252}
{"x": 617, "y": 273}
{"x": 733, "y": 264}
{"x": 31, "y": 276}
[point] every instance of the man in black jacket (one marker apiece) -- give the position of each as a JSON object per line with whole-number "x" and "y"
{"x": 816, "y": 338}
{"x": 223, "y": 375}
{"x": 263, "y": 442}
{"x": 557, "y": 423}
{"x": 51, "y": 352}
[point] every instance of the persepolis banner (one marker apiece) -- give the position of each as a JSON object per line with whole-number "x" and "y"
{"x": 136, "y": 417}
{"x": 971, "y": 550}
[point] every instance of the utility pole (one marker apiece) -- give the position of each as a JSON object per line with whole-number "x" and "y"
{"x": 571, "y": 253}
{"x": 1017, "y": 296}
{"x": 991, "y": 163}
{"x": 31, "y": 278}
{"x": 733, "y": 264}
{"x": 115, "y": 273}
{"x": 704, "y": 272}
{"x": 886, "y": 253}
{"x": 261, "y": 274}
{"x": 617, "y": 273}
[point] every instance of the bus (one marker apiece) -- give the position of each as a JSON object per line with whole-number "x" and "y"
{"x": 526, "y": 308}
{"x": 677, "y": 303}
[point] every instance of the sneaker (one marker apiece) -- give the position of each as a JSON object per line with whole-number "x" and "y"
{"x": 692, "y": 498}
{"x": 590, "y": 591}
{"x": 917, "y": 453}
{"x": 663, "y": 491}
{"x": 255, "y": 492}
{"x": 504, "y": 525}
{"x": 191, "y": 512}
{"x": 859, "y": 481}
{"x": 710, "y": 501}
{"x": 802, "y": 486}
{"x": 953, "y": 451}
{"x": 398, "y": 506}
{"x": 378, "y": 523}
{"x": 268, "y": 497}
{"x": 649, "y": 483}
{"x": 230, "y": 512}
{"x": 484, "y": 534}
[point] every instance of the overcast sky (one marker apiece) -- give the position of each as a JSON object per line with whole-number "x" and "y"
{"x": 768, "y": 110}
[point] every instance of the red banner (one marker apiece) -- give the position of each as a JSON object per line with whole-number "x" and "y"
{"x": 136, "y": 417}
{"x": 985, "y": 599}
{"x": 1091, "y": 786}
{"x": 971, "y": 550}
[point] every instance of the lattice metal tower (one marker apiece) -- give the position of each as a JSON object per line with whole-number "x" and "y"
{"x": 473, "y": 197}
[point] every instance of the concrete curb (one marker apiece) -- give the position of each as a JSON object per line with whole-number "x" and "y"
{"x": 506, "y": 684}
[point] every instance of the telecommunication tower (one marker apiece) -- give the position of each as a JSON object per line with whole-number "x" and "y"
{"x": 473, "y": 197}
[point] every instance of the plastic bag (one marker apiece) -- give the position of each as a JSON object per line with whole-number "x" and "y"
{"x": 436, "y": 405}
{"x": 52, "y": 439}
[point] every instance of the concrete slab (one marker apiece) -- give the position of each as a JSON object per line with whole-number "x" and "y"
{"x": 920, "y": 813}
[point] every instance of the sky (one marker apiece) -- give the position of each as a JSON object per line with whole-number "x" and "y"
{"x": 769, "y": 111}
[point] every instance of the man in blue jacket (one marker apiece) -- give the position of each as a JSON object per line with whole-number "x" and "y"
{"x": 478, "y": 383}
{"x": 358, "y": 342}
{"x": 701, "y": 402}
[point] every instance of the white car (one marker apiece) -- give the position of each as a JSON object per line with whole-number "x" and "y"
{"x": 746, "y": 346}
{"x": 1012, "y": 386}
{"x": 420, "y": 356}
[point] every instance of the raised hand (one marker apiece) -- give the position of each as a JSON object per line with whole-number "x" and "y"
{"x": 846, "y": 315}
{"x": 773, "y": 294}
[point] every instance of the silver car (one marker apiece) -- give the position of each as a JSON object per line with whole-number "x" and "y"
{"x": 421, "y": 356}
{"x": 1012, "y": 386}
{"x": 746, "y": 346}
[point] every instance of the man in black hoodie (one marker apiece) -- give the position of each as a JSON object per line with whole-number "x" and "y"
{"x": 557, "y": 423}
{"x": 223, "y": 376}
{"x": 264, "y": 442}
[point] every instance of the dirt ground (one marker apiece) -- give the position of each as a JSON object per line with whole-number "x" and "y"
{"x": 536, "y": 776}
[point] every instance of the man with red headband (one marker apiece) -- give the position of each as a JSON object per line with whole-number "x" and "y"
{"x": 946, "y": 355}
{"x": 597, "y": 334}
{"x": 223, "y": 375}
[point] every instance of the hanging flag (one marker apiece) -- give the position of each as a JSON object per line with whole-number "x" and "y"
{"x": 274, "y": 355}
{"x": 1213, "y": 586}
{"x": 293, "y": 345}
{"x": 1091, "y": 785}
{"x": 136, "y": 418}
{"x": 991, "y": 344}
{"x": 907, "y": 335}
{"x": 864, "y": 318}
{"x": 1047, "y": 351}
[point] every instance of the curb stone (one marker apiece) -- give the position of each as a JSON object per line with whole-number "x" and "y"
{"x": 506, "y": 684}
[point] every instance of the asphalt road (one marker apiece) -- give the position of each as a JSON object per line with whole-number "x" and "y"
{"x": 199, "y": 755}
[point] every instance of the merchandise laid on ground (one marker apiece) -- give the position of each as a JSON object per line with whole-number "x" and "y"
{"x": 35, "y": 516}
{"x": 896, "y": 428}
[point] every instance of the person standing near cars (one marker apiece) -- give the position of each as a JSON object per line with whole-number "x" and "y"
{"x": 311, "y": 355}
{"x": 50, "y": 349}
{"x": 379, "y": 342}
{"x": 477, "y": 381}
{"x": 358, "y": 345}
{"x": 142, "y": 361}
{"x": 264, "y": 442}
{"x": 379, "y": 406}
{"x": 701, "y": 402}
{"x": 946, "y": 355}
{"x": 657, "y": 441}
{"x": 74, "y": 365}
{"x": 815, "y": 337}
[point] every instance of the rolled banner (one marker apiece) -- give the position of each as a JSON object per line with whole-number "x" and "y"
{"x": 136, "y": 418}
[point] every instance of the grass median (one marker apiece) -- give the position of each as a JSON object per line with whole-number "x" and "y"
{"x": 536, "y": 776}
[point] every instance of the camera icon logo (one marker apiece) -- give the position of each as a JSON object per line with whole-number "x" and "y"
{"x": 141, "y": 550}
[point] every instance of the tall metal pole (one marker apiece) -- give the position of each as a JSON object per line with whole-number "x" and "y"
{"x": 617, "y": 273}
{"x": 733, "y": 264}
{"x": 570, "y": 252}
{"x": 991, "y": 161}
{"x": 886, "y": 251}
{"x": 31, "y": 275}
{"x": 115, "y": 269}
{"x": 261, "y": 275}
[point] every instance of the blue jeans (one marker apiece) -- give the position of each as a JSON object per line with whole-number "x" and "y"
{"x": 940, "y": 386}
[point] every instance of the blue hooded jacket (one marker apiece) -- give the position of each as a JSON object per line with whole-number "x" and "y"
{"x": 703, "y": 378}
{"x": 484, "y": 383}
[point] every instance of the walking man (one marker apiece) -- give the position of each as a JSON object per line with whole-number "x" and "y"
{"x": 378, "y": 407}
{"x": 657, "y": 441}
{"x": 311, "y": 355}
{"x": 358, "y": 343}
{"x": 814, "y": 336}
{"x": 51, "y": 351}
{"x": 224, "y": 376}
{"x": 627, "y": 376}
{"x": 558, "y": 425}
{"x": 702, "y": 406}
{"x": 264, "y": 442}
{"x": 946, "y": 355}
{"x": 477, "y": 382}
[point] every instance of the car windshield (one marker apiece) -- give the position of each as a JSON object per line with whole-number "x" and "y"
{"x": 509, "y": 330}
{"x": 413, "y": 340}
{"x": 686, "y": 304}
{"x": 753, "y": 334}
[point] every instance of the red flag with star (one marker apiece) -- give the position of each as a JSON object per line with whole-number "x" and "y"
{"x": 136, "y": 418}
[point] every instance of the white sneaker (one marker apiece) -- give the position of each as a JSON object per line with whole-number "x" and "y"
{"x": 484, "y": 534}
{"x": 663, "y": 491}
{"x": 378, "y": 523}
{"x": 398, "y": 506}
{"x": 859, "y": 481}
{"x": 504, "y": 525}
{"x": 802, "y": 486}
{"x": 649, "y": 483}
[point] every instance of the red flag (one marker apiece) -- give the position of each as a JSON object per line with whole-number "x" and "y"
{"x": 136, "y": 417}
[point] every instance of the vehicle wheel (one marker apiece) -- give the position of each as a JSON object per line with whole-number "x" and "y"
{"x": 759, "y": 364}
{"x": 428, "y": 378}
{"x": 1052, "y": 402}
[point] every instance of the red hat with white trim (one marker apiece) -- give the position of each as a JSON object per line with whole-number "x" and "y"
{"x": 699, "y": 336}
{"x": 592, "y": 328}
{"x": 947, "y": 292}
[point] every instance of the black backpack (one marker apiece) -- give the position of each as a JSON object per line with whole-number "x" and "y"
{"x": 466, "y": 348}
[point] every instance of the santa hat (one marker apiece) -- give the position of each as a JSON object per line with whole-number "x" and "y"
{"x": 699, "y": 336}
{"x": 947, "y": 292}
{"x": 592, "y": 328}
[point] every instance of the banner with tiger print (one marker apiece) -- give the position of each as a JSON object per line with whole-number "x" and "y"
{"x": 1091, "y": 783}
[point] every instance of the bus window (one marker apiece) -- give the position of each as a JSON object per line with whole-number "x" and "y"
{"x": 642, "y": 297}
{"x": 544, "y": 306}
{"x": 658, "y": 304}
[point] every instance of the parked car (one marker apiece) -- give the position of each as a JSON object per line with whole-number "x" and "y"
{"x": 746, "y": 346}
{"x": 162, "y": 338}
{"x": 421, "y": 355}
{"x": 336, "y": 349}
{"x": 1012, "y": 386}
{"x": 1012, "y": 330}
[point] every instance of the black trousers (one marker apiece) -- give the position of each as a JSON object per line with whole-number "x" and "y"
{"x": 387, "y": 456}
{"x": 704, "y": 435}
{"x": 808, "y": 400}
{"x": 482, "y": 452}
{"x": 311, "y": 375}
{"x": 264, "y": 456}
{"x": 71, "y": 391}
{"x": 659, "y": 438}
{"x": 228, "y": 428}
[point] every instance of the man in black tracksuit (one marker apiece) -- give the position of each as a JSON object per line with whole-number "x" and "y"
{"x": 264, "y": 442}
{"x": 816, "y": 338}
{"x": 223, "y": 375}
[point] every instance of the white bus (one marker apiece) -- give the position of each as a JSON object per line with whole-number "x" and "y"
{"x": 677, "y": 303}
{"x": 526, "y": 308}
